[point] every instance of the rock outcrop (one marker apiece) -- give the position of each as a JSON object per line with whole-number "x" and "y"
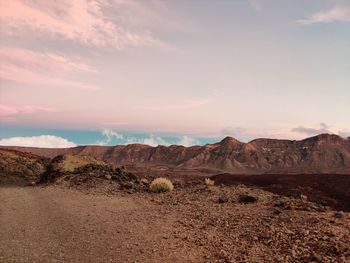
{"x": 16, "y": 166}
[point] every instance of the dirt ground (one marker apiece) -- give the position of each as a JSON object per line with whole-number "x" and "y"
{"x": 190, "y": 224}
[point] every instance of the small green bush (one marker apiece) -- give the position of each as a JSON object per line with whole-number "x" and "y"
{"x": 160, "y": 185}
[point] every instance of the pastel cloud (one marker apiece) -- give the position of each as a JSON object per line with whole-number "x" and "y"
{"x": 344, "y": 133}
{"x": 189, "y": 105}
{"x": 334, "y": 14}
{"x": 112, "y": 137}
{"x": 323, "y": 128}
{"x": 44, "y": 141}
{"x": 188, "y": 141}
{"x": 108, "y": 135}
{"x": 24, "y": 66}
{"x": 11, "y": 111}
{"x": 84, "y": 22}
{"x": 151, "y": 140}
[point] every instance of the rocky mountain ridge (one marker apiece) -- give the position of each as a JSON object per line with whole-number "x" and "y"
{"x": 323, "y": 153}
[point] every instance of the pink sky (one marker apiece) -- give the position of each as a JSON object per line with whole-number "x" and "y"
{"x": 211, "y": 68}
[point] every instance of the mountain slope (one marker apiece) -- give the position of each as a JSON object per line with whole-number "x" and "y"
{"x": 319, "y": 154}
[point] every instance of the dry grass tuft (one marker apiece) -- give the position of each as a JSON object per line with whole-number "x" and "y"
{"x": 160, "y": 185}
{"x": 209, "y": 182}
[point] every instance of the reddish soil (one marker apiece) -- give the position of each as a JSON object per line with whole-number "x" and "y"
{"x": 326, "y": 189}
{"x": 189, "y": 224}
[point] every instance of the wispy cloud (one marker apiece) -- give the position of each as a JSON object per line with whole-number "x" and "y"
{"x": 108, "y": 135}
{"x": 334, "y": 14}
{"x": 25, "y": 66}
{"x": 344, "y": 133}
{"x": 6, "y": 110}
{"x": 323, "y": 128}
{"x": 256, "y": 5}
{"x": 113, "y": 123}
{"x": 10, "y": 113}
{"x": 98, "y": 23}
{"x": 151, "y": 140}
{"x": 189, "y": 105}
{"x": 234, "y": 131}
{"x": 45, "y": 141}
{"x": 188, "y": 141}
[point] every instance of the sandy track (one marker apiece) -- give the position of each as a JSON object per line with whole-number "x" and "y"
{"x": 58, "y": 225}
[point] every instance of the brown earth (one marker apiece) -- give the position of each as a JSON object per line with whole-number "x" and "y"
{"x": 325, "y": 189}
{"x": 319, "y": 154}
{"x": 84, "y": 210}
{"x": 189, "y": 224}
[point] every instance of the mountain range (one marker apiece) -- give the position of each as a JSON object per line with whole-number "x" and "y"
{"x": 323, "y": 153}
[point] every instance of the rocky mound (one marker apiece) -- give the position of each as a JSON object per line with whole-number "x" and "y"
{"x": 89, "y": 172}
{"x": 324, "y": 153}
{"x": 20, "y": 167}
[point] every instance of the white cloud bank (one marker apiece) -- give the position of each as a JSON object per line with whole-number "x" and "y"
{"x": 43, "y": 141}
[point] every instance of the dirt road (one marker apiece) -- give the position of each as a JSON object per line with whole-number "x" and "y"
{"x": 57, "y": 225}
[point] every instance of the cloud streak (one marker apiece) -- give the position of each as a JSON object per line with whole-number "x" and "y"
{"x": 28, "y": 67}
{"x": 335, "y": 14}
{"x": 85, "y": 22}
{"x": 8, "y": 113}
{"x": 108, "y": 136}
{"x": 323, "y": 128}
{"x": 189, "y": 105}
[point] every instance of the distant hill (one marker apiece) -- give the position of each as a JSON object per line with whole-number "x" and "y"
{"x": 323, "y": 153}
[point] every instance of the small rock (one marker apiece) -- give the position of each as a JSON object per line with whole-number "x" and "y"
{"x": 339, "y": 214}
{"x": 247, "y": 199}
{"x": 32, "y": 183}
{"x": 315, "y": 257}
{"x": 144, "y": 181}
{"x": 223, "y": 199}
{"x": 128, "y": 185}
{"x": 108, "y": 177}
{"x": 276, "y": 211}
{"x": 303, "y": 197}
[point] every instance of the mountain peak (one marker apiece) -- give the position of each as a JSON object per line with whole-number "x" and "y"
{"x": 229, "y": 140}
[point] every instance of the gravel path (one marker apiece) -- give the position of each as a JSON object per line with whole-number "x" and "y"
{"x": 57, "y": 225}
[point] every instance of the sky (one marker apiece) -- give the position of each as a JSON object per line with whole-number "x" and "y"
{"x": 111, "y": 72}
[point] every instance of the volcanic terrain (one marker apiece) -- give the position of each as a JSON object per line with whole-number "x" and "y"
{"x": 80, "y": 204}
{"x": 320, "y": 154}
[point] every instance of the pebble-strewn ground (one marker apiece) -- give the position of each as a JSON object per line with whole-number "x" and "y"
{"x": 194, "y": 223}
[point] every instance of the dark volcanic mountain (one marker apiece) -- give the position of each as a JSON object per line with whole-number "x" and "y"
{"x": 320, "y": 154}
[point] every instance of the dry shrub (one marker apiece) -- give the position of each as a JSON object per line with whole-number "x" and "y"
{"x": 209, "y": 182}
{"x": 160, "y": 185}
